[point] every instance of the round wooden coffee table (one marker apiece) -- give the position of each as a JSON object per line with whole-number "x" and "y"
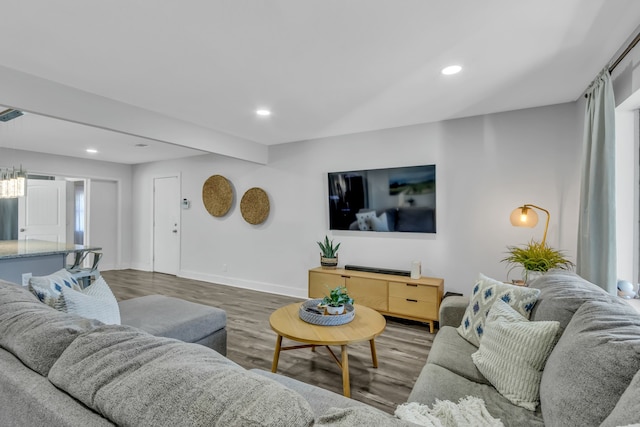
{"x": 366, "y": 326}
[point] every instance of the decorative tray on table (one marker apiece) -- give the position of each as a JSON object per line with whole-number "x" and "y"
{"x": 310, "y": 313}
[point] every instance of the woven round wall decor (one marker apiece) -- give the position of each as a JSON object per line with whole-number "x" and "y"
{"x": 254, "y": 206}
{"x": 217, "y": 195}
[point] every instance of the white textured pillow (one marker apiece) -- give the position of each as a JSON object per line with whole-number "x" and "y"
{"x": 380, "y": 223}
{"x": 364, "y": 220}
{"x": 513, "y": 352}
{"x": 93, "y": 302}
{"x": 485, "y": 293}
{"x": 48, "y": 288}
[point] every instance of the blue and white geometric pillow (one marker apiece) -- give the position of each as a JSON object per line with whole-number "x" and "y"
{"x": 485, "y": 292}
{"x": 48, "y": 288}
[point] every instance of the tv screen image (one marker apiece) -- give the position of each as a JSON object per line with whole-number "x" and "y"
{"x": 401, "y": 199}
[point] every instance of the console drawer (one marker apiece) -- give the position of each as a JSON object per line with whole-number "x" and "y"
{"x": 413, "y": 307}
{"x": 411, "y": 291}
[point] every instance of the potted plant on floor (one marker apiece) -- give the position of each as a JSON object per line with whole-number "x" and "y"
{"x": 336, "y": 300}
{"x": 328, "y": 253}
{"x": 536, "y": 258}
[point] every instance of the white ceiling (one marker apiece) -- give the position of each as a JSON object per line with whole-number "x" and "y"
{"x": 324, "y": 67}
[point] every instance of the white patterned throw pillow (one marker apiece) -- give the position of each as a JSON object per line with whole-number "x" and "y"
{"x": 364, "y": 220}
{"x": 485, "y": 293}
{"x": 513, "y": 352}
{"x": 48, "y": 288}
{"x": 96, "y": 301}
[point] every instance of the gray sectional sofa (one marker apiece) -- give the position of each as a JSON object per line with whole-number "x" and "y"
{"x": 58, "y": 369}
{"x": 591, "y": 377}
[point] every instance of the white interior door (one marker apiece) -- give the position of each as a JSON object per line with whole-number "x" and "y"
{"x": 166, "y": 225}
{"x": 42, "y": 212}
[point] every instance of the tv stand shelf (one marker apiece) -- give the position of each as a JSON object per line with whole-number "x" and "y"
{"x": 393, "y": 295}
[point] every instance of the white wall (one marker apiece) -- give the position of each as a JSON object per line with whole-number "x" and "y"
{"x": 103, "y": 221}
{"x": 46, "y": 164}
{"x": 486, "y": 166}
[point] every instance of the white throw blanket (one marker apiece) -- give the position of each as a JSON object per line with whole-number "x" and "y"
{"x": 468, "y": 412}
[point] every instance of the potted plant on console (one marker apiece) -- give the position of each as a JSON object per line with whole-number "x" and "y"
{"x": 336, "y": 300}
{"x": 536, "y": 258}
{"x": 328, "y": 253}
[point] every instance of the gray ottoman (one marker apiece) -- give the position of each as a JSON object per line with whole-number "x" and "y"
{"x": 169, "y": 317}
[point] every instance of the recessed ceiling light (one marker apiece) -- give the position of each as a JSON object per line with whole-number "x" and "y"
{"x": 451, "y": 69}
{"x": 263, "y": 112}
{"x": 92, "y": 150}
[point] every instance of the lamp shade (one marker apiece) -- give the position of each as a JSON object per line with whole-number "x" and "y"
{"x": 524, "y": 217}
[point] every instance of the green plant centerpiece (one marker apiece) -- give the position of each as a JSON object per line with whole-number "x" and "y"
{"x": 336, "y": 300}
{"x": 328, "y": 253}
{"x": 536, "y": 257}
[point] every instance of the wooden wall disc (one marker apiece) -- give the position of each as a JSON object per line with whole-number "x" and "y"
{"x": 254, "y": 206}
{"x": 217, "y": 195}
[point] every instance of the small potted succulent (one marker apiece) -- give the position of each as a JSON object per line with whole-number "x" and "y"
{"x": 336, "y": 300}
{"x": 536, "y": 258}
{"x": 328, "y": 253}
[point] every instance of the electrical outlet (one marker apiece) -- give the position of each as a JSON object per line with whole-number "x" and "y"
{"x": 25, "y": 278}
{"x": 224, "y": 267}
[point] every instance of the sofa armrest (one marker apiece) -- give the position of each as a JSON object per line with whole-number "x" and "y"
{"x": 452, "y": 310}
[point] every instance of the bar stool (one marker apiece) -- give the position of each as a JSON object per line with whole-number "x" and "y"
{"x": 85, "y": 275}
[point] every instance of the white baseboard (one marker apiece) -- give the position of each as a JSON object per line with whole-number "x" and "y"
{"x": 244, "y": 284}
{"x": 142, "y": 266}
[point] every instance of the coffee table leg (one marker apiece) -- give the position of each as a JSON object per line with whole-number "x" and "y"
{"x": 374, "y": 356}
{"x": 346, "y": 389}
{"x": 276, "y": 354}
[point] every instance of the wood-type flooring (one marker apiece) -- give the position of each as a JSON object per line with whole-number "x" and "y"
{"x": 402, "y": 348}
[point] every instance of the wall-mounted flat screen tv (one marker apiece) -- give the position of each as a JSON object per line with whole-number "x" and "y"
{"x": 393, "y": 199}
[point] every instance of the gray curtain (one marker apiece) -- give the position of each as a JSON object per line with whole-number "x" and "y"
{"x": 597, "y": 228}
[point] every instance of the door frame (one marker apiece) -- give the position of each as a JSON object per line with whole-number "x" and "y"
{"x": 177, "y": 175}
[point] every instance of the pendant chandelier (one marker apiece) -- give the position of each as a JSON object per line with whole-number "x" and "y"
{"x": 13, "y": 183}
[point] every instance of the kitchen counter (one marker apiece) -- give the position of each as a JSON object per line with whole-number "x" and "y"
{"x": 19, "y": 258}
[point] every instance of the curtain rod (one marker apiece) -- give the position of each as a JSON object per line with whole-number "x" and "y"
{"x": 633, "y": 43}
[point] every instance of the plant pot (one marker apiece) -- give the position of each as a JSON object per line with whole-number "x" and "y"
{"x": 328, "y": 263}
{"x": 335, "y": 310}
{"x": 529, "y": 276}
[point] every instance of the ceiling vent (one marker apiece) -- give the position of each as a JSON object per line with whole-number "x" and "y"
{"x": 9, "y": 114}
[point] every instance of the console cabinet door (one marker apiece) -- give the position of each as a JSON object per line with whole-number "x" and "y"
{"x": 321, "y": 283}
{"x": 369, "y": 292}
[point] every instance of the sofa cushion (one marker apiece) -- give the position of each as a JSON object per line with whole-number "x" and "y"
{"x": 453, "y": 352}
{"x": 360, "y": 416}
{"x": 627, "y": 410}
{"x": 592, "y": 364}
{"x": 562, "y": 292}
{"x": 48, "y": 288}
{"x": 416, "y": 219}
{"x": 485, "y": 292}
{"x": 438, "y": 383}
{"x": 29, "y": 399}
{"x": 34, "y": 332}
{"x": 96, "y": 301}
{"x": 513, "y": 352}
{"x": 170, "y": 317}
{"x": 320, "y": 399}
{"x": 133, "y": 378}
